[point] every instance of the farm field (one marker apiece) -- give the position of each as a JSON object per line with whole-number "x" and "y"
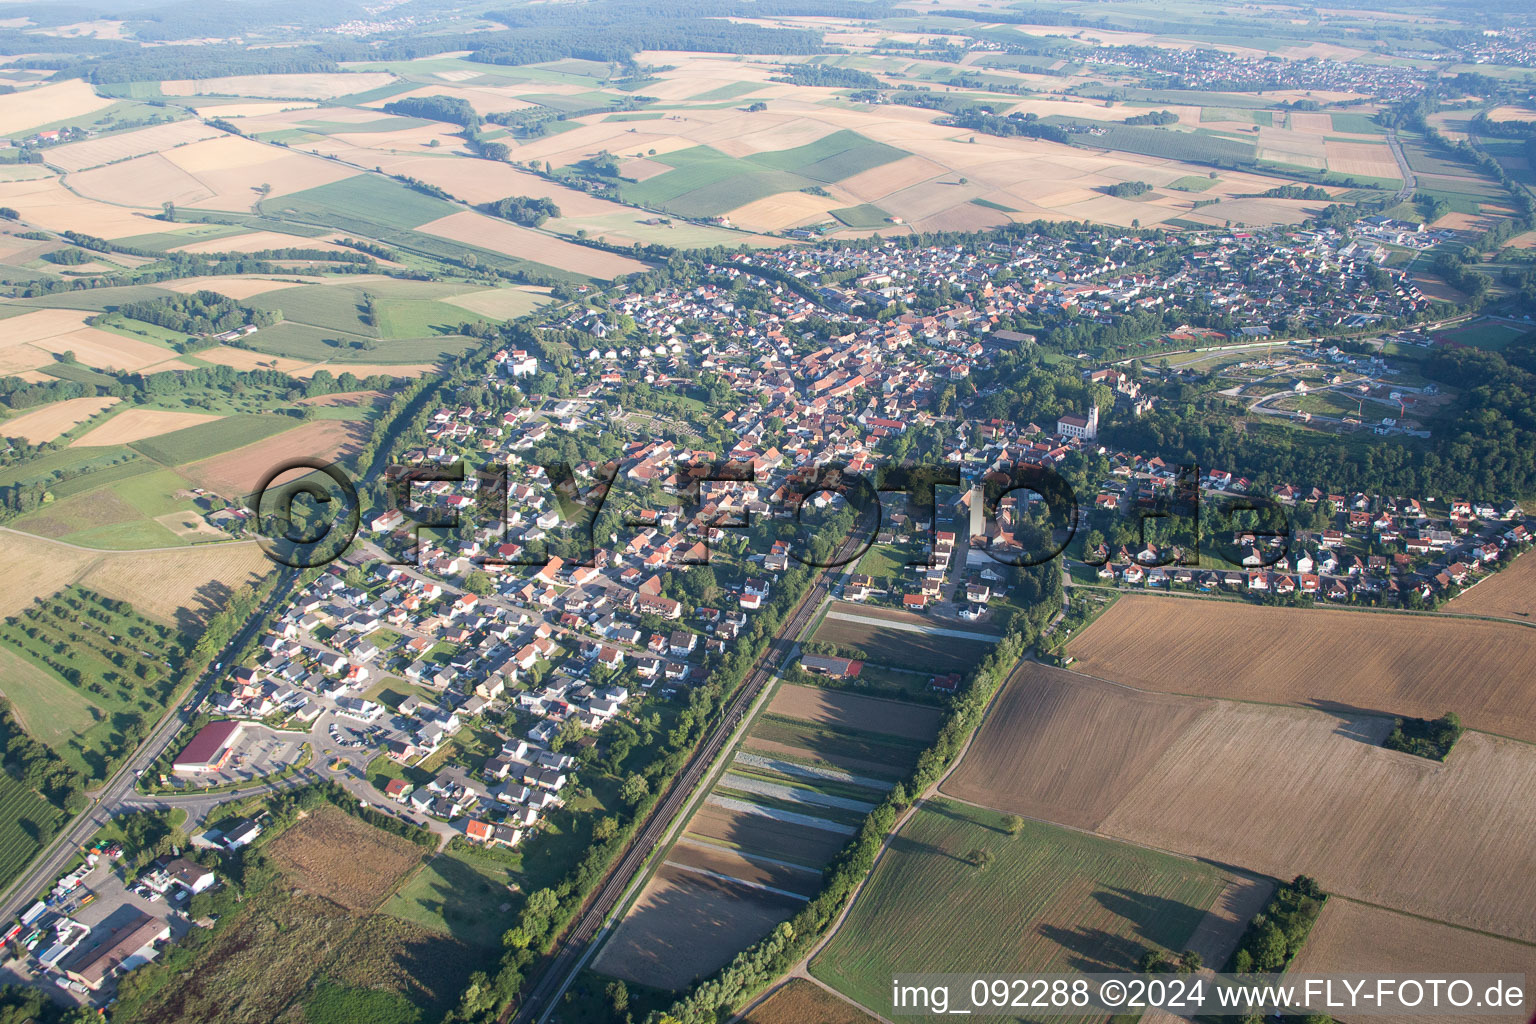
{"x": 1050, "y": 900}
{"x": 1040, "y": 751}
{"x": 752, "y": 852}
{"x": 1287, "y": 790}
{"x": 921, "y": 646}
{"x": 799, "y": 1001}
{"x": 237, "y": 472}
{"x": 205, "y": 440}
{"x": 45, "y": 424}
{"x": 139, "y": 425}
{"x": 1399, "y": 664}
{"x": 1508, "y": 594}
{"x": 176, "y": 587}
{"x": 27, "y": 822}
{"x": 1353, "y": 938}
{"x": 853, "y": 711}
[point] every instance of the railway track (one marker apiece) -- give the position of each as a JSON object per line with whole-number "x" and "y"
{"x": 561, "y": 970}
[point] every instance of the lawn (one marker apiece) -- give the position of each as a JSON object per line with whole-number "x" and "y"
{"x": 1488, "y": 334}
{"x": 883, "y": 560}
{"x": 1050, "y": 901}
{"x": 459, "y": 894}
{"x": 205, "y": 440}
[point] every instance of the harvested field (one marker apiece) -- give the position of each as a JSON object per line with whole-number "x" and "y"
{"x": 799, "y": 1001}
{"x": 1286, "y": 791}
{"x": 317, "y": 86}
{"x": 77, "y": 156}
{"x": 501, "y": 303}
{"x": 137, "y": 424}
{"x": 526, "y": 244}
{"x": 1400, "y": 664}
{"x": 855, "y": 711}
{"x": 45, "y": 104}
{"x": 1509, "y": 594}
{"x": 763, "y": 834}
{"x": 38, "y": 338}
{"x": 1351, "y": 938}
{"x": 1051, "y": 900}
{"x": 256, "y": 241}
{"x": 687, "y": 925}
{"x": 47, "y": 423}
{"x": 236, "y": 473}
{"x": 234, "y": 286}
{"x": 343, "y": 859}
{"x": 36, "y": 568}
{"x": 1374, "y": 161}
{"x": 245, "y": 359}
{"x": 46, "y": 203}
{"x": 183, "y": 587}
{"x": 1041, "y": 751}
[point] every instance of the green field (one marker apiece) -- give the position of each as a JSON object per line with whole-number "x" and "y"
{"x": 1193, "y": 183}
{"x": 1240, "y": 114}
{"x": 27, "y": 822}
{"x": 205, "y": 440}
{"x": 1489, "y": 334}
{"x": 1159, "y": 142}
{"x": 458, "y": 893}
{"x": 109, "y": 663}
{"x": 361, "y": 202}
{"x": 400, "y": 319}
{"x": 864, "y": 216}
{"x": 1423, "y": 159}
{"x": 1356, "y": 124}
{"x": 990, "y": 205}
{"x": 705, "y": 182}
{"x": 727, "y": 92}
{"x": 1050, "y": 901}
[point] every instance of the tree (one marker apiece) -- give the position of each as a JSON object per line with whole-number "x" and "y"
{"x": 634, "y": 789}
{"x": 980, "y": 858}
{"x": 1013, "y": 824}
{"x": 169, "y": 209}
{"x": 618, "y": 998}
{"x": 479, "y": 583}
{"x": 605, "y": 829}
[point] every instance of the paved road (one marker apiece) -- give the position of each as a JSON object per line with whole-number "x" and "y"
{"x": 119, "y": 790}
{"x": 559, "y": 972}
{"x": 1410, "y": 183}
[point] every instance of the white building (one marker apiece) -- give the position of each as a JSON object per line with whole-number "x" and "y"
{"x": 1083, "y": 427}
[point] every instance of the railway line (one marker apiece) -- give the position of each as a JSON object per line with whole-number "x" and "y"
{"x": 560, "y": 970}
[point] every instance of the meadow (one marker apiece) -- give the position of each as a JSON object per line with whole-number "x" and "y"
{"x": 98, "y": 675}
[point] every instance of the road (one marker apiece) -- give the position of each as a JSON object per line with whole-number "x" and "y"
{"x": 119, "y": 791}
{"x": 559, "y": 972}
{"x": 1410, "y": 183}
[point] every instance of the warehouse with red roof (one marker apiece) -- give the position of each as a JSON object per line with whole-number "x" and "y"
{"x": 209, "y": 749}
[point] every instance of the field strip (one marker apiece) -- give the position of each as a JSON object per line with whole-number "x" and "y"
{"x": 786, "y": 817}
{"x": 794, "y": 794}
{"x": 717, "y": 876}
{"x": 908, "y": 627}
{"x": 809, "y": 772}
{"x": 706, "y": 844}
